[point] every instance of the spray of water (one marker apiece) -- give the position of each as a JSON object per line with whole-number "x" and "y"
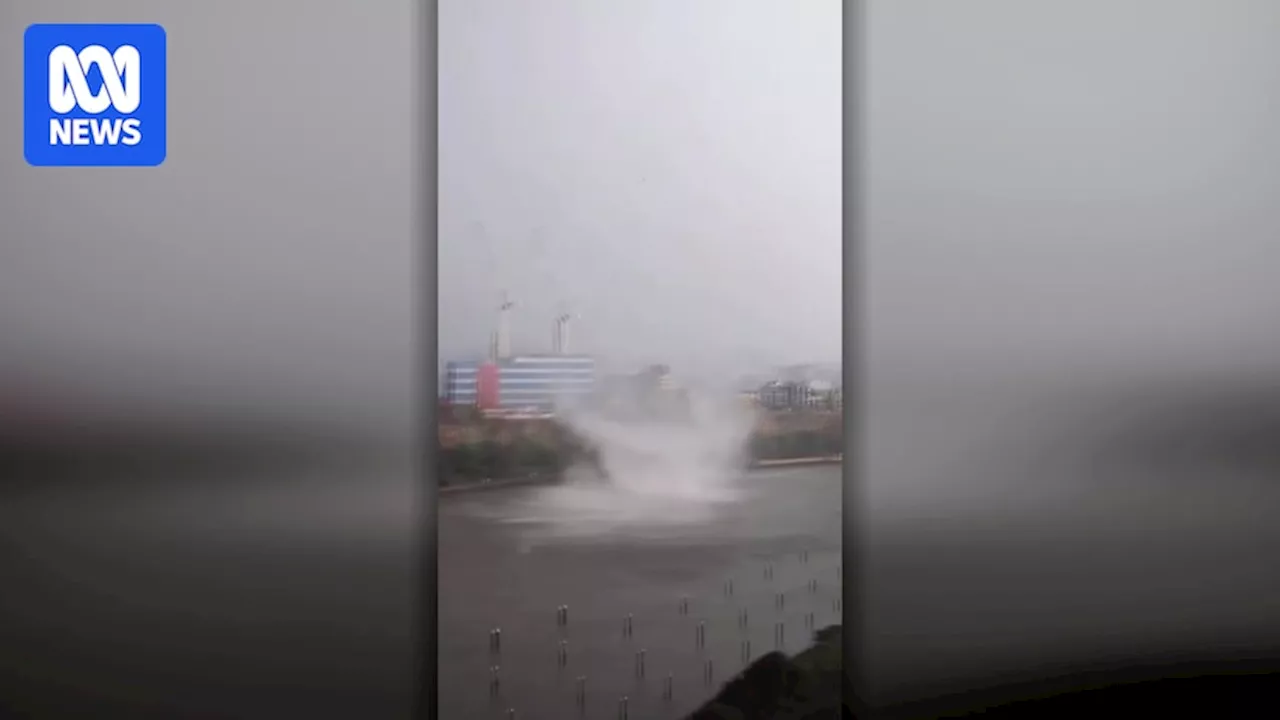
{"x": 655, "y": 476}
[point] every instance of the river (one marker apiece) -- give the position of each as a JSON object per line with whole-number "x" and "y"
{"x": 509, "y": 559}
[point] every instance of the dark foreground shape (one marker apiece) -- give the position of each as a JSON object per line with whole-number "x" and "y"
{"x": 809, "y": 687}
{"x": 1253, "y": 695}
{"x": 775, "y": 687}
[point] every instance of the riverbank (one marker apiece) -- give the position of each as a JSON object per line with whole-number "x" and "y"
{"x": 482, "y": 485}
{"x": 814, "y": 460}
{"x": 490, "y": 453}
{"x": 541, "y": 479}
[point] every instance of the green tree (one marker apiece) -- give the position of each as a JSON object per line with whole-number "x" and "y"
{"x": 486, "y": 460}
{"x": 807, "y": 444}
{"x": 536, "y": 456}
{"x": 787, "y": 446}
{"x": 835, "y": 444}
{"x": 446, "y": 466}
{"x": 456, "y": 463}
{"x": 760, "y": 447}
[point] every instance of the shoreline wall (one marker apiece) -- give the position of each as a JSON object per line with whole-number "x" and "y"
{"x": 474, "y": 449}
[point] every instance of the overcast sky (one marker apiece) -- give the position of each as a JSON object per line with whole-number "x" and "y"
{"x": 669, "y": 170}
{"x": 269, "y": 265}
{"x": 1070, "y": 184}
{"x": 1071, "y": 248}
{"x": 1073, "y": 180}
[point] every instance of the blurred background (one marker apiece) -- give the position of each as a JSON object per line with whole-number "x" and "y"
{"x": 1071, "y": 391}
{"x": 211, "y": 378}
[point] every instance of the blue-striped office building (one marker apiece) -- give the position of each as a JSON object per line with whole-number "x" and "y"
{"x": 525, "y": 381}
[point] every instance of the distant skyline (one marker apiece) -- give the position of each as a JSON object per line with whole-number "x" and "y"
{"x": 670, "y": 171}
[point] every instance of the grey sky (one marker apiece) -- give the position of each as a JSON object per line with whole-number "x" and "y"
{"x": 670, "y": 170}
{"x": 1069, "y": 345}
{"x": 270, "y": 263}
{"x": 1076, "y": 183}
{"x": 1075, "y": 180}
{"x": 1048, "y": 186}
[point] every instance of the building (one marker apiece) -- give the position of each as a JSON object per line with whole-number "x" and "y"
{"x": 521, "y": 384}
{"x": 816, "y": 395}
{"x": 779, "y": 395}
{"x": 545, "y": 381}
{"x": 539, "y": 382}
{"x": 460, "y": 382}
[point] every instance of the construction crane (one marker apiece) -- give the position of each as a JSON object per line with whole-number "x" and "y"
{"x": 560, "y": 333}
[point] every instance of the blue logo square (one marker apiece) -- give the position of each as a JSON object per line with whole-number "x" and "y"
{"x": 94, "y": 95}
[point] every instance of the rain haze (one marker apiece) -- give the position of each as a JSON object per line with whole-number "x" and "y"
{"x": 1047, "y": 189}
{"x": 1065, "y": 311}
{"x": 268, "y": 268}
{"x": 266, "y": 276}
{"x": 1070, "y": 365}
{"x": 670, "y": 171}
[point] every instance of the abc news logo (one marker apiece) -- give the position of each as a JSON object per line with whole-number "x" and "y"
{"x": 95, "y": 95}
{"x": 69, "y": 89}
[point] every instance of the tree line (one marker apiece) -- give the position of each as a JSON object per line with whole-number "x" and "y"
{"x": 527, "y": 456}
{"x": 801, "y": 444}
{"x": 490, "y": 459}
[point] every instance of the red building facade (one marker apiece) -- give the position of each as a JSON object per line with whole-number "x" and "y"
{"x": 488, "y": 387}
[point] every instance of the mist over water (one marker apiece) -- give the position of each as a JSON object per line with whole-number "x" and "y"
{"x": 657, "y": 477}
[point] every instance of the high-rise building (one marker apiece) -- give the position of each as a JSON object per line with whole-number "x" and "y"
{"x": 816, "y": 395}
{"x": 519, "y": 382}
{"x": 544, "y": 381}
{"x": 460, "y": 382}
{"x": 524, "y": 381}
